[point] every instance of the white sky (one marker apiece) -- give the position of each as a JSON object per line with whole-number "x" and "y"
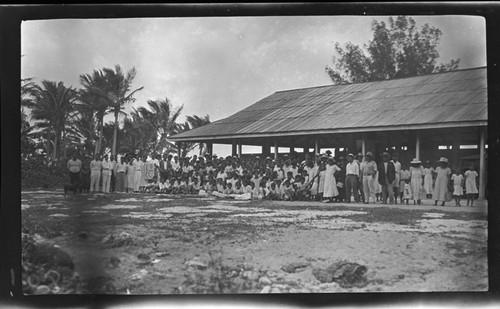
{"x": 218, "y": 65}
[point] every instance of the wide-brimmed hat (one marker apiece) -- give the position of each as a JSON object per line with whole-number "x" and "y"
{"x": 443, "y": 160}
{"x": 350, "y": 155}
{"x": 369, "y": 154}
{"x": 415, "y": 161}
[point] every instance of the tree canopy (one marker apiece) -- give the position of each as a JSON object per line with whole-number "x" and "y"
{"x": 397, "y": 50}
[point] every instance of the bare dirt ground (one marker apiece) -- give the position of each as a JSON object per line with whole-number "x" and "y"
{"x": 166, "y": 244}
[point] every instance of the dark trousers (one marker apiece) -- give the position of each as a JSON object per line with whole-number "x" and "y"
{"x": 74, "y": 178}
{"x": 351, "y": 187}
{"x": 113, "y": 181}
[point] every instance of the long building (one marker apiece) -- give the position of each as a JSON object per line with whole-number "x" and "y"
{"x": 424, "y": 117}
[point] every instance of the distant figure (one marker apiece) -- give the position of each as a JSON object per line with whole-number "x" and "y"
{"x": 442, "y": 179}
{"x": 95, "y": 173}
{"x": 458, "y": 191}
{"x": 417, "y": 180}
{"x": 74, "y": 166}
{"x": 428, "y": 174}
{"x": 470, "y": 185}
{"x": 386, "y": 177}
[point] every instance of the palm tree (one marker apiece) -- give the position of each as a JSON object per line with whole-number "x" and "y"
{"x": 162, "y": 119}
{"x": 53, "y": 106}
{"x": 196, "y": 122}
{"x": 113, "y": 88}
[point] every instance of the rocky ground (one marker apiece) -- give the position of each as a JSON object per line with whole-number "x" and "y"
{"x": 165, "y": 244}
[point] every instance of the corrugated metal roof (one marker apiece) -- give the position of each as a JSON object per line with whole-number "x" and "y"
{"x": 457, "y": 96}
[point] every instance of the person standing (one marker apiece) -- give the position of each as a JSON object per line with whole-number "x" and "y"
{"x": 330, "y": 190}
{"x": 137, "y": 173}
{"x": 351, "y": 179}
{"x": 360, "y": 160}
{"x": 470, "y": 185}
{"x": 130, "y": 174}
{"x": 442, "y": 179}
{"x": 368, "y": 174}
{"x": 416, "y": 180}
{"x": 95, "y": 173}
{"x": 113, "y": 172}
{"x": 386, "y": 177}
{"x": 428, "y": 174}
{"x": 121, "y": 171}
{"x": 397, "y": 166}
{"x": 85, "y": 175}
{"x": 74, "y": 166}
{"x": 106, "y": 174}
{"x": 457, "y": 179}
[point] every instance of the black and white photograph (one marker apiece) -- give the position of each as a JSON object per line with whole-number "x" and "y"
{"x": 304, "y": 154}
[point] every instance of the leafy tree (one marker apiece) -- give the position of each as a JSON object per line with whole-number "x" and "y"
{"x": 400, "y": 50}
{"x": 161, "y": 118}
{"x": 196, "y": 122}
{"x": 109, "y": 90}
{"x": 53, "y": 106}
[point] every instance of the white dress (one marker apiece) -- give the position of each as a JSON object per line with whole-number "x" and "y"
{"x": 470, "y": 182}
{"x": 330, "y": 189}
{"x": 457, "y": 184}
{"x": 428, "y": 180}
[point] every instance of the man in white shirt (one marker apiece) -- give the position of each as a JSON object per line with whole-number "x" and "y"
{"x": 106, "y": 174}
{"x": 120, "y": 170}
{"x": 74, "y": 166}
{"x": 351, "y": 179}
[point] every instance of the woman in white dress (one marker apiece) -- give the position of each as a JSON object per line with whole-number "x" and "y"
{"x": 442, "y": 179}
{"x": 416, "y": 180}
{"x": 330, "y": 188}
{"x": 428, "y": 173}
{"x": 458, "y": 191}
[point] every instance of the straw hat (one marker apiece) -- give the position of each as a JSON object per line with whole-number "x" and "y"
{"x": 443, "y": 160}
{"x": 369, "y": 154}
{"x": 415, "y": 161}
{"x": 350, "y": 155}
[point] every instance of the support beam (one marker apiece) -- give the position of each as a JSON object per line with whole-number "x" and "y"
{"x": 316, "y": 146}
{"x": 417, "y": 145}
{"x": 276, "y": 149}
{"x": 233, "y": 149}
{"x": 363, "y": 144}
{"x": 210, "y": 149}
{"x": 455, "y": 148}
{"x": 179, "y": 145}
{"x": 240, "y": 149}
{"x": 482, "y": 169}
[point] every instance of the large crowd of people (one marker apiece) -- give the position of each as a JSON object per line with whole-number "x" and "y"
{"x": 322, "y": 177}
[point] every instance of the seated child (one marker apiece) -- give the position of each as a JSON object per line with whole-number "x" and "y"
{"x": 301, "y": 189}
{"x": 238, "y": 189}
{"x": 288, "y": 191}
{"x": 273, "y": 193}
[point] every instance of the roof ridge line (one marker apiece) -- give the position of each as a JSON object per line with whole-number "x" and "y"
{"x": 384, "y": 80}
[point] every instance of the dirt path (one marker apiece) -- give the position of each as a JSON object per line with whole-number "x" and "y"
{"x": 147, "y": 244}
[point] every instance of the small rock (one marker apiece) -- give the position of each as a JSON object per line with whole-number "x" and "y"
{"x": 295, "y": 267}
{"x": 265, "y": 280}
{"x": 162, "y": 254}
{"x": 42, "y": 289}
{"x": 250, "y": 275}
{"x": 275, "y": 290}
{"x": 266, "y": 289}
{"x": 196, "y": 263}
{"x": 141, "y": 274}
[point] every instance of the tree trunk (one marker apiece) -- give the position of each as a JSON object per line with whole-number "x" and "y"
{"x": 115, "y": 134}
{"x": 99, "y": 144}
{"x": 54, "y": 154}
{"x": 64, "y": 144}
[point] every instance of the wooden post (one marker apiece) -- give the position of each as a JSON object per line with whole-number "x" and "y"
{"x": 455, "y": 148}
{"x": 233, "y": 149}
{"x": 276, "y": 149}
{"x": 240, "y": 148}
{"x": 417, "y": 145}
{"x": 481, "y": 164}
{"x": 316, "y": 146}
{"x": 363, "y": 144}
{"x": 292, "y": 149}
